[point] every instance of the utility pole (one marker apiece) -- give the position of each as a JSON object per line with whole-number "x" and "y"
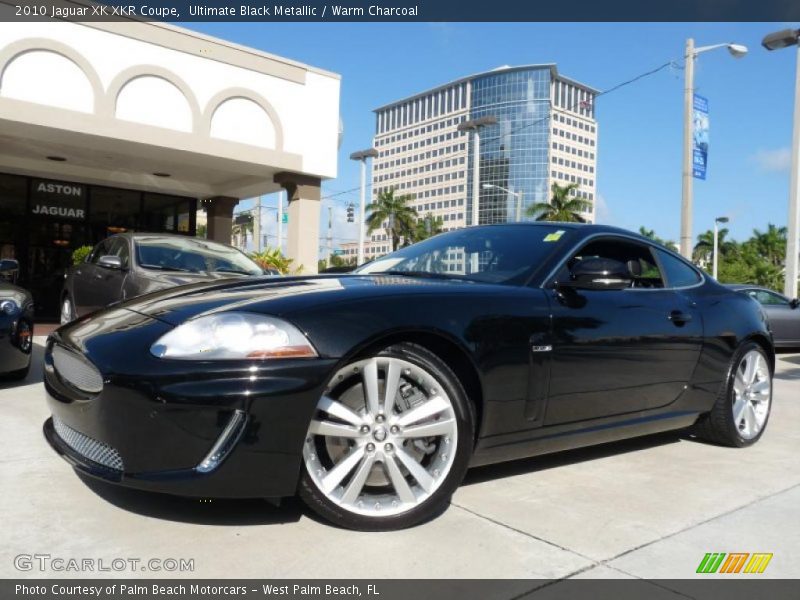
{"x": 330, "y": 236}
{"x": 280, "y": 222}
{"x": 362, "y": 156}
{"x": 257, "y": 227}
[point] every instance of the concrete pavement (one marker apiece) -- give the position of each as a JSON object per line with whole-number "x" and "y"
{"x": 645, "y": 508}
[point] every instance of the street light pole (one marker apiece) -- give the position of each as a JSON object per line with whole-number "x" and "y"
{"x": 280, "y": 222}
{"x": 790, "y": 283}
{"x": 776, "y": 41}
{"x": 362, "y": 156}
{"x": 686, "y": 183}
{"x": 737, "y": 51}
{"x": 474, "y": 126}
{"x": 717, "y": 221}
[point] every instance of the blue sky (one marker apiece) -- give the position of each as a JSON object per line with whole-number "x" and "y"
{"x": 639, "y": 151}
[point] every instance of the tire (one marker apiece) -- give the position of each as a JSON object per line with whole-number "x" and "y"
{"x": 18, "y": 375}
{"x": 727, "y": 424}
{"x": 382, "y": 474}
{"x": 67, "y": 310}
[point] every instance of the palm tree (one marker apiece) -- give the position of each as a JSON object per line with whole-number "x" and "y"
{"x": 651, "y": 234}
{"x": 704, "y": 248}
{"x": 564, "y": 205}
{"x": 771, "y": 244}
{"x": 393, "y": 209}
{"x": 426, "y": 227}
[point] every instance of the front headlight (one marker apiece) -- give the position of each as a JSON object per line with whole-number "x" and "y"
{"x": 232, "y": 336}
{"x": 8, "y": 307}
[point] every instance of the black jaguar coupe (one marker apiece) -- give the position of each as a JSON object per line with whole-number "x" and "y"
{"x": 371, "y": 393}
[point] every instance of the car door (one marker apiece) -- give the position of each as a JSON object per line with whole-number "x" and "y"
{"x": 784, "y": 318}
{"x": 83, "y": 280}
{"x": 622, "y": 351}
{"x": 108, "y": 282}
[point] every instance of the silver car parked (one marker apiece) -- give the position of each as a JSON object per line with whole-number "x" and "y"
{"x": 783, "y": 314}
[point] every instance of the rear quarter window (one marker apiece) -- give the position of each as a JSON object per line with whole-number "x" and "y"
{"x": 676, "y": 272}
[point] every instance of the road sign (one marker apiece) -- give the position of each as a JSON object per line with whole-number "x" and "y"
{"x": 285, "y": 218}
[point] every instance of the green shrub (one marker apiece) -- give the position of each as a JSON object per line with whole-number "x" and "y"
{"x": 80, "y": 254}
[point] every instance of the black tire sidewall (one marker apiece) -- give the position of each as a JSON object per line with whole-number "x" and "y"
{"x": 733, "y": 431}
{"x": 437, "y": 502}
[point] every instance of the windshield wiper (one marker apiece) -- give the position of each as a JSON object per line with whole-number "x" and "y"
{"x": 165, "y": 268}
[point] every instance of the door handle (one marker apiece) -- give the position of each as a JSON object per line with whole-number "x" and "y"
{"x": 679, "y": 318}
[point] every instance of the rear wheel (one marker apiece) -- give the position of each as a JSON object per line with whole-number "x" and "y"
{"x": 25, "y": 343}
{"x": 390, "y": 441}
{"x": 741, "y": 412}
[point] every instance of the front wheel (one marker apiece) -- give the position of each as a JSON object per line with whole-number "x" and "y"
{"x": 389, "y": 442}
{"x": 742, "y": 409}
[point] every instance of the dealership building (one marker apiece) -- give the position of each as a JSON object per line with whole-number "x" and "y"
{"x": 133, "y": 126}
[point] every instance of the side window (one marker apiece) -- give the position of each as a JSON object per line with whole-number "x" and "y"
{"x": 638, "y": 258}
{"x": 100, "y": 250}
{"x": 765, "y": 297}
{"x": 677, "y": 273}
{"x": 119, "y": 247}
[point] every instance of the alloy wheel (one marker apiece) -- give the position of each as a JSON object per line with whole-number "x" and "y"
{"x": 752, "y": 394}
{"x": 383, "y": 438}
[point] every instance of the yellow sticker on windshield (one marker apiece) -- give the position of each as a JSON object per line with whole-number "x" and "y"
{"x": 554, "y": 237}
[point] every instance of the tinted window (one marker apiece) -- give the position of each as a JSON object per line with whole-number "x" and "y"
{"x": 119, "y": 247}
{"x": 677, "y": 272}
{"x": 100, "y": 250}
{"x": 769, "y": 298}
{"x": 637, "y": 257}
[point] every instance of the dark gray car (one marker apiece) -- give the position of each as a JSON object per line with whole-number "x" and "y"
{"x": 783, "y": 313}
{"x": 130, "y": 264}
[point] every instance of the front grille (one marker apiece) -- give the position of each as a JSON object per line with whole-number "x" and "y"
{"x": 89, "y": 448}
{"x": 77, "y": 371}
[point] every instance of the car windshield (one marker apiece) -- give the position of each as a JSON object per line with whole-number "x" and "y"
{"x": 488, "y": 254}
{"x": 192, "y": 255}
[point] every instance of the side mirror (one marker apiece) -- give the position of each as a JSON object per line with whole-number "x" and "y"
{"x": 598, "y": 274}
{"x": 794, "y": 303}
{"x": 110, "y": 262}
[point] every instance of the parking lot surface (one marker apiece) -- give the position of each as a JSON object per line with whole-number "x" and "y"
{"x": 645, "y": 508}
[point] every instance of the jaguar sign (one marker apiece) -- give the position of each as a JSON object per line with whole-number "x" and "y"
{"x": 59, "y": 211}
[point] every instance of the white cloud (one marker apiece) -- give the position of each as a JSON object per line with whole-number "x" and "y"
{"x": 773, "y": 160}
{"x": 602, "y": 214}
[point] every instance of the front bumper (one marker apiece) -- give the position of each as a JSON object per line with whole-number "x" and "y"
{"x": 210, "y": 429}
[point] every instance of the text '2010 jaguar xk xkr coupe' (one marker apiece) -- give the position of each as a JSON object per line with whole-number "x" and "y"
{"x": 371, "y": 393}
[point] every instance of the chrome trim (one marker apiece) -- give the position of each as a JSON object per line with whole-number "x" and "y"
{"x": 225, "y": 442}
{"x": 633, "y": 238}
{"x": 547, "y": 348}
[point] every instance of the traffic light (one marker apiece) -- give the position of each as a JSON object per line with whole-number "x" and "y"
{"x": 351, "y": 213}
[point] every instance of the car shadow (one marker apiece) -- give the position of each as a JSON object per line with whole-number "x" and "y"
{"x": 545, "y": 462}
{"x": 197, "y": 511}
{"x": 35, "y": 375}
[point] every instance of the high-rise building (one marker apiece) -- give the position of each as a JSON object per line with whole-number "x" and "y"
{"x": 546, "y": 133}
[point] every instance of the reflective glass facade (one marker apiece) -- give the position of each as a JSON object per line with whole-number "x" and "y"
{"x": 513, "y": 153}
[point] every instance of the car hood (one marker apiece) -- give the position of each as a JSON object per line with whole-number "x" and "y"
{"x": 274, "y": 296}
